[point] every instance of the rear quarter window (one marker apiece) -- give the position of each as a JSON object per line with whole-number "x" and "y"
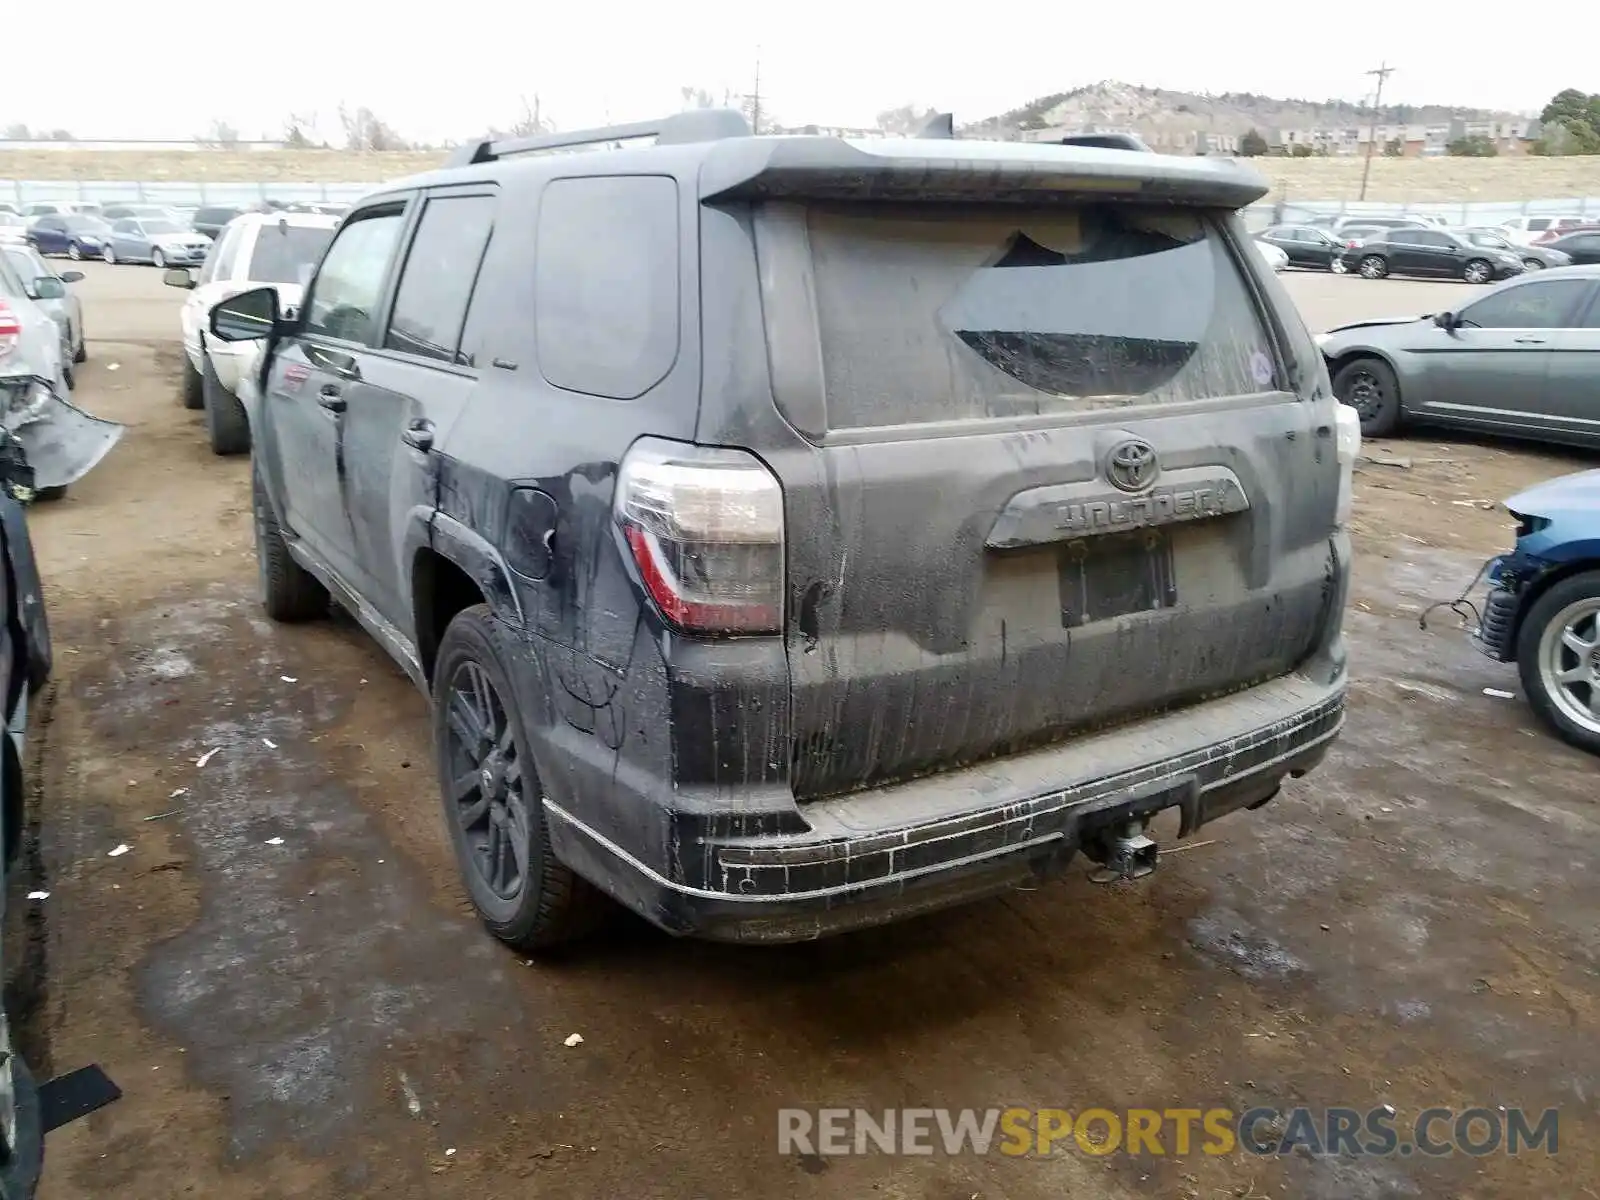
{"x": 932, "y": 314}
{"x": 606, "y": 284}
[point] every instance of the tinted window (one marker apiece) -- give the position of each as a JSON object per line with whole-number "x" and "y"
{"x": 349, "y": 284}
{"x": 1583, "y": 241}
{"x": 931, "y": 313}
{"x": 606, "y": 284}
{"x": 286, "y": 254}
{"x": 159, "y": 225}
{"x": 1548, "y": 304}
{"x": 126, "y": 225}
{"x": 1537, "y": 224}
{"x": 441, "y": 268}
{"x": 1423, "y": 237}
{"x": 221, "y": 256}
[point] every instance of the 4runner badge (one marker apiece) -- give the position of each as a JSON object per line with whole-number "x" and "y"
{"x": 1132, "y": 465}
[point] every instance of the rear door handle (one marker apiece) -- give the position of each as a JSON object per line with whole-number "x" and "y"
{"x": 418, "y": 435}
{"x": 331, "y": 399}
{"x": 1529, "y": 341}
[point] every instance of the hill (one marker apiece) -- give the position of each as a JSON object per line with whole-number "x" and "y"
{"x": 1151, "y": 109}
{"x": 1394, "y": 180}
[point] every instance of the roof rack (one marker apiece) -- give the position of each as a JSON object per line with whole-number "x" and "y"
{"x": 696, "y": 125}
{"x": 1106, "y": 141}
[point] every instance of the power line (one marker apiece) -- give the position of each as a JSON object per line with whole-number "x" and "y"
{"x": 1383, "y": 71}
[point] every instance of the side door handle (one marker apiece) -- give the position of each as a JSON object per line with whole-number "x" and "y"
{"x": 1529, "y": 341}
{"x": 418, "y": 435}
{"x": 330, "y": 398}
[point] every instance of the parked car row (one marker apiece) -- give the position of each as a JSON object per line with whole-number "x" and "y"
{"x": 1390, "y": 246}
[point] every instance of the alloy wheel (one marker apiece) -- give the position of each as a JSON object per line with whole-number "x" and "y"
{"x": 1569, "y": 662}
{"x": 489, "y": 792}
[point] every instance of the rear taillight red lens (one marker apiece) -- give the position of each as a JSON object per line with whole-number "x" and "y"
{"x": 10, "y": 329}
{"x": 705, "y": 529}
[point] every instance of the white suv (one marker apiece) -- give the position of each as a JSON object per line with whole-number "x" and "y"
{"x": 1523, "y": 230}
{"x": 254, "y": 249}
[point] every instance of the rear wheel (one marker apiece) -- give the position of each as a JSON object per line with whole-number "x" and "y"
{"x": 289, "y": 592}
{"x": 75, "y": 254}
{"x": 1532, "y": 264}
{"x": 109, "y": 255}
{"x": 1477, "y": 271}
{"x": 226, "y": 423}
{"x": 1369, "y": 386}
{"x": 157, "y": 258}
{"x": 193, "y": 391}
{"x": 493, "y": 800}
{"x": 1374, "y": 266}
{"x": 1338, "y": 268}
{"x": 1558, "y": 658}
{"x": 81, "y": 354}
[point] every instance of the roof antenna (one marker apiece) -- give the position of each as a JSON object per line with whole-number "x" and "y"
{"x": 942, "y": 126}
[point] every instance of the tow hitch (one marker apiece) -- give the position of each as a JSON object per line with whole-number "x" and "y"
{"x": 1124, "y": 851}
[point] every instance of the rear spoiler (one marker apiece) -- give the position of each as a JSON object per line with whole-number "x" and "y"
{"x": 931, "y": 170}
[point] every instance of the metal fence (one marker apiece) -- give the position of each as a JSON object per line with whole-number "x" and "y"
{"x": 22, "y": 192}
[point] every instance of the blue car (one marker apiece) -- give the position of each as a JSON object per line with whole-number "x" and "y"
{"x": 1543, "y": 610}
{"x": 76, "y": 235}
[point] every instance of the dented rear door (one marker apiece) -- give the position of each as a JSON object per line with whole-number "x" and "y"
{"x": 1049, "y": 475}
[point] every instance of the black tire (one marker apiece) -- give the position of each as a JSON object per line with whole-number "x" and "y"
{"x": 50, "y": 493}
{"x": 226, "y": 422}
{"x": 68, "y": 375}
{"x": 1373, "y": 266}
{"x": 534, "y": 901}
{"x": 1369, "y": 386}
{"x": 193, "y": 393}
{"x": 1583, "y": 590}
{"x": 1479, "y": 270}
{"x": 81, "y": 354}
{"x": 289, "y": 592}
{"x": 1532, "y": 264}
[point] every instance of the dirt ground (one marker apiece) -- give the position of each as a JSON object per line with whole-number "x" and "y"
{"x": 1392, "y": 180}
{"x": 1411, "y": 925}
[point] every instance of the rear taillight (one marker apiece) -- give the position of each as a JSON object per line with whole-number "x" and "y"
{"x": 10, "y": 329}
{"x": 705, "y": 528}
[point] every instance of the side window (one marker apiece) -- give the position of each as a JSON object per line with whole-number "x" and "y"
{"x": 1437, "y": 241}
{"x": 1405, "y": 237}
{"x": 227, "y": 251}
{"x": 1591, "y": 318}
{"x": 1538, "y": 224}
{"x": 125, "y": 226}
{"x": 606, "y": 284}
{"x": 345, "y": 294}
{"x": 1548, "y": 304}
{"x": 437, "y": 280}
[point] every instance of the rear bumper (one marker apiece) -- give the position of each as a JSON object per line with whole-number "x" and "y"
{"x": 881, "y": 855}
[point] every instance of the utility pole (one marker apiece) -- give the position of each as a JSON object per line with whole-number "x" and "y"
{"x": 1383, "y": 72}
{"x": 755, "y": 97}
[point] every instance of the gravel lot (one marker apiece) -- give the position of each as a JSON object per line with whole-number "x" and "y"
{"x": 1412, "y": 925}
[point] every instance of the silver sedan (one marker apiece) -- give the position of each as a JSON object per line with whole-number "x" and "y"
{"x": 158, "y": 240}
{"x": 66, "y": 310}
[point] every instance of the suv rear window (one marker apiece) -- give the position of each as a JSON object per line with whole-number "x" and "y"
{"x": 286, "y": 254}
{"x": 938, "y": 314}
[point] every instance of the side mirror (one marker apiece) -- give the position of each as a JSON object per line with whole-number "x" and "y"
{"x": 70, "y": 276}
{"x": 247, "y": 316}
{"x": 1445, "y": 320}
{"x": 48, "y": 287}
{"x": 178, "y": 277}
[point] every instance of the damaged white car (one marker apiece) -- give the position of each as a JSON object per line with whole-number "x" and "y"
{"x": 61, "y": 442}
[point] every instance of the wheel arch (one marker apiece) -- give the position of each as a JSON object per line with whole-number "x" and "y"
{"x": 453, "y": 567}
{"x": 1542, "y": 583}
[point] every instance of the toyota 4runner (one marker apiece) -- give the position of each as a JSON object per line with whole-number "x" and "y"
{"x": 794, "y": 533}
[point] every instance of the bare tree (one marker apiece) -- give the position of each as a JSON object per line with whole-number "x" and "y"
{"x": 297, "y": 129}
{"x": 365, "y": 131}
{"x": 532, "y": 122}
{"x": 219, "y": 136}
{"x": 905, "y": 120}
{"x": 695, "y": 97}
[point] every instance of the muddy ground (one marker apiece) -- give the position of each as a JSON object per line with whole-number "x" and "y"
{"x": 1412, "y": 925}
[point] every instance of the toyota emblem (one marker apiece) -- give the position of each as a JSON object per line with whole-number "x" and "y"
{"x": 1132, "y": 465}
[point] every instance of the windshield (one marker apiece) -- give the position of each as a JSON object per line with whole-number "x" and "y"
{"x": 82, "y": 224}
{"x": 161, "y": 226}
{"x": 25, "y": 263}
{"x": 287, "y": 254}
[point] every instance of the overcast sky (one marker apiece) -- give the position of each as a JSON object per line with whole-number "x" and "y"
{"x": 435, "y": 71}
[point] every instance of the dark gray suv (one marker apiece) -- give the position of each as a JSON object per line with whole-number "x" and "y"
{"x": 795, "y": 534}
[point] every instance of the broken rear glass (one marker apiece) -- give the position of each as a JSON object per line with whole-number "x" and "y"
{"x": 937, "y": 314}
